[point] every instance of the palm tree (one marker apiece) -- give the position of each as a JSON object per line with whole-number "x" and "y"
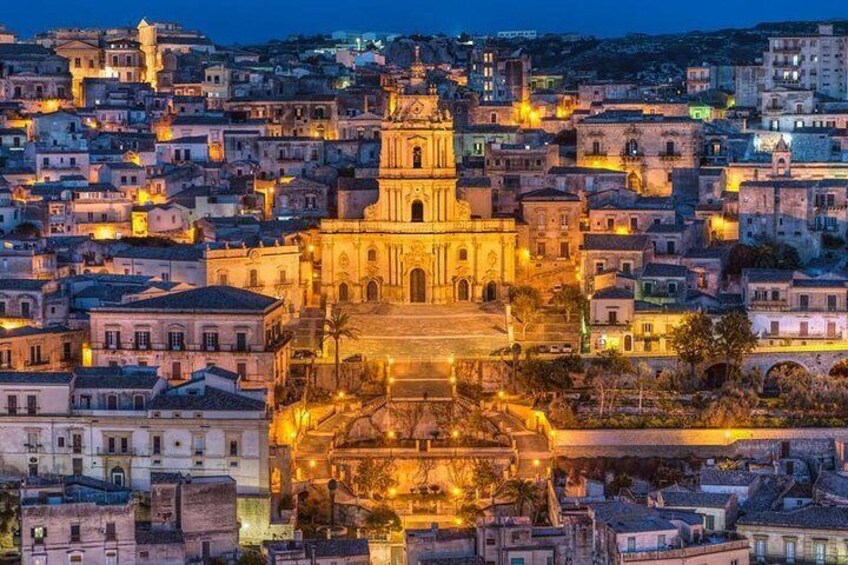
{"x": 523, "y": 493}
{"x": 337, "y": 327}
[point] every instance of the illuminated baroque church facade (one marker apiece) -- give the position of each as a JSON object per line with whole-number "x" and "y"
{"x": 417, "y": 243}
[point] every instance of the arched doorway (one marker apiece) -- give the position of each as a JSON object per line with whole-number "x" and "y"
{"x": 417, "y": 211}
{"x": 372, "y": 291}
{"x": 490, "y": 292}
{"x": 118, "y": 476}
{"x": 344, "y": 294}
{"x": 417, "y": 286}
{"x": 628, "y": 342}
{"x": 462, "y": 290}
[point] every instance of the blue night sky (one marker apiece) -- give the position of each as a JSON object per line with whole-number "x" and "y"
{"x": 228, "y": 21}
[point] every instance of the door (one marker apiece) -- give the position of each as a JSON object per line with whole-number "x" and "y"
{"x": 462, "y": 290}
{"x": 372, "y": 292}
{"x": 491, "y": 292}
{"x": 417, "y": 286}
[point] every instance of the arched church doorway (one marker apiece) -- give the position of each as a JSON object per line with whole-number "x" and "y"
{"x": 372, "y": 292}
{"x": 490, "y": 292}
{"x": 462, "y": 290}
{"x": 417, "y": 286}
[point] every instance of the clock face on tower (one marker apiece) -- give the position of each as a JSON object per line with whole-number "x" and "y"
{"x": 417, "y": 109}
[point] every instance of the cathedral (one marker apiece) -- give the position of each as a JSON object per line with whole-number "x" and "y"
{"x": 418, "y": 242}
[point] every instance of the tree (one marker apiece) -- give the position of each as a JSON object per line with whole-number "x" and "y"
{"x": 484, "y": 475}
{"x": 469, "y": 513}
{"x": 570, "y": 301}
{"x": 643, "y": 378}
{"x": 561, "y": 414}
{"x": 524, "y": 494}
{"x": 374, "y": 475}
{"x": 382, "y": 518}
{"x": 621, "y": 481}
{"x": 526, "y": 302}
{"x": 250, "y": 557}
{"x": 693, "y": 340}
{"x": 606, "y": 373}
{"x": 338, "y": 327}
{"x": 734, "y": 339}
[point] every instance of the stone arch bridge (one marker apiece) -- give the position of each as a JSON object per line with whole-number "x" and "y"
{"x": 814, "y": 358}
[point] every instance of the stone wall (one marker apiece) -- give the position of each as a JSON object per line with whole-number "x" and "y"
{"x": 749, "y": 442}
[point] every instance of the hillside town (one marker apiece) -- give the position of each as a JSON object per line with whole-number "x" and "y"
{"x": 368, "y": 297}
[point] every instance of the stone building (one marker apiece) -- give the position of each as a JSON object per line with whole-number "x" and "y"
{"x": 647, "y": 147}
{"x": 272, "y": 270}
{"x": 813, "y": 62}
{"x": 791, "y": 306}
{"x": 235, "y": 330}
{"x": 203, "y": 509}
{"x": 76, "y": 520}
{"x": 123, "y": 424}
{"x": 797, "y": 212}
{"x": 813, "y": 534}
{"x": 418, "y": 242}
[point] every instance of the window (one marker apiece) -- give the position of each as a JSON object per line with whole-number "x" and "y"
{"x": 241, "y": 341}
{"x": 241, "y": 369}
{"x": 417, "y": 160}
{"x": 142, "y": 339}
{"x": 661, "y": 540}
{"x": 789, "y": 551}
{"x": 32, "y": 405}
{"x": 417, "y": 211}
{"x": 210, "y": 341}
{"x": 199, "y": 445}
{"x": 820, "y": 552}
{"x": 176, "y": 340}
{"x": 234, "y": 448}
{"x": 612, "y": 317}
{"x": 669, "y": 148}
{"x": 35, "y": 355}
{"x": 111, "y": 534}
{"x": 12, "y": 405}
{"x": 75, "y": 533}
{"x": 138, "y": 402}
{"x": 804, "y": 301}
{"x": 112, "y": 402}
{"x": 372, "y": 254}
{"x": 709, "y": 522}
{"x": 157, "y": 445}
{"x": 632, "y": 147}
{"x": 672, "y": 288}
{"x": 463, "y": 254}
{"x": 38, "y": 534}
{"x": 176, "y": 370}
{"x": 113, "y": 339}
{"x": 253, "y": 278}
{"x": 831, "y": 303}
{"x": 631, "y": 544}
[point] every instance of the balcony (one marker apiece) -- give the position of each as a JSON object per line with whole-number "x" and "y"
{"x": 37, "y": 362}
{"x": 779, "y": 305}
{"x": 633, "y": 157}
{"x": 105, "y": 452}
